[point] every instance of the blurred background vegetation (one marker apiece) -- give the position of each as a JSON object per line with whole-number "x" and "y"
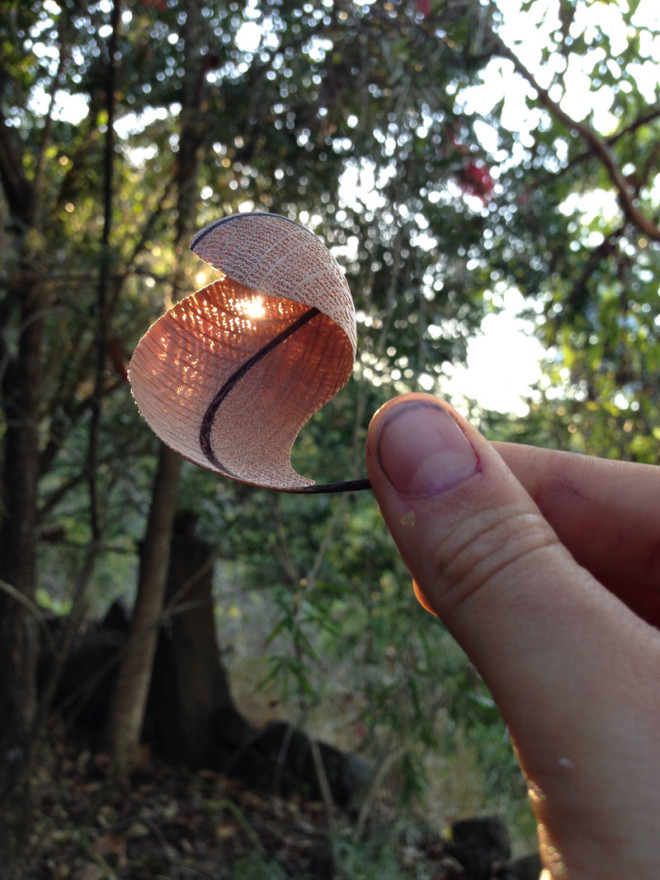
{"x": 473, "y": 166}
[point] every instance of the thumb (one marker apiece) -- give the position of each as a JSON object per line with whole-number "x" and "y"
{"x": 542, "y": 632}
{"x": 571, "y": 668}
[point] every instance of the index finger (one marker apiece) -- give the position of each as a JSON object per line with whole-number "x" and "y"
{"x": 607, "y": 514}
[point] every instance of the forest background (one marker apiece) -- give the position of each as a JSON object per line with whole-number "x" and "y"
{"x": 457, "y": 157}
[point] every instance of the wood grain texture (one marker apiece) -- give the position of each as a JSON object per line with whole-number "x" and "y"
{"x": 229, "y": 375}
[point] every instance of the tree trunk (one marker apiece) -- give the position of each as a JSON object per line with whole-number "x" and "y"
{"x": 20, "y": 390}
{"x": 191, "y": 709}
{"x": 129, "y": 704}
{"x": 130, "y": 698}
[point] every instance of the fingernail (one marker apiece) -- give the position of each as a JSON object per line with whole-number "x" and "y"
{"x": 422, "y": 450}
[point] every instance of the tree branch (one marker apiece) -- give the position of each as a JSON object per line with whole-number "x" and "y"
{"x": 15, "y": 184}
{"x": 578, "y": 294}
{"x": 652, "y": 114}
{"x": 103, "y": 286}
{"x": 597, "y": 144}
{"x": 48, "y": 124}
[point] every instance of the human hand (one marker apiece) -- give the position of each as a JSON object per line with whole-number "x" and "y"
{"x": 545, "y": 567}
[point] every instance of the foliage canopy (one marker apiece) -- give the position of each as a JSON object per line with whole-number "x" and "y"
{"x": 444, "y": 161}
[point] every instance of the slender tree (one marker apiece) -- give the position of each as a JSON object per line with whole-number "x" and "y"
{"x": 23, "y": 310}
{"x": 132, "y": 689}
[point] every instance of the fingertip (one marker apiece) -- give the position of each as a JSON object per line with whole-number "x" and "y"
{"x": 417, "y": 446}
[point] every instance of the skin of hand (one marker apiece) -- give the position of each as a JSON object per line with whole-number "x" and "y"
{"x": 545, "y": 567}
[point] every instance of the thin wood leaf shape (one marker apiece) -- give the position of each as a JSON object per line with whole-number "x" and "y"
{"x": 229, "y": 375}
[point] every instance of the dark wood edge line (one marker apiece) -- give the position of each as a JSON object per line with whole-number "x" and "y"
{"x": 212, "y": 410}
{"x": 201, "y": 235}
{"x": 331, "y": 488}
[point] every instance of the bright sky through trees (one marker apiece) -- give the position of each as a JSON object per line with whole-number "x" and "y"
{"x": 503, "y": 362}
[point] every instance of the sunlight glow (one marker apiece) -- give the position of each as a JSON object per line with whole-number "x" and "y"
{"x": 248, "y": 36}
{"x": 253, "y": 308}
{"x": 503, "y": 362}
